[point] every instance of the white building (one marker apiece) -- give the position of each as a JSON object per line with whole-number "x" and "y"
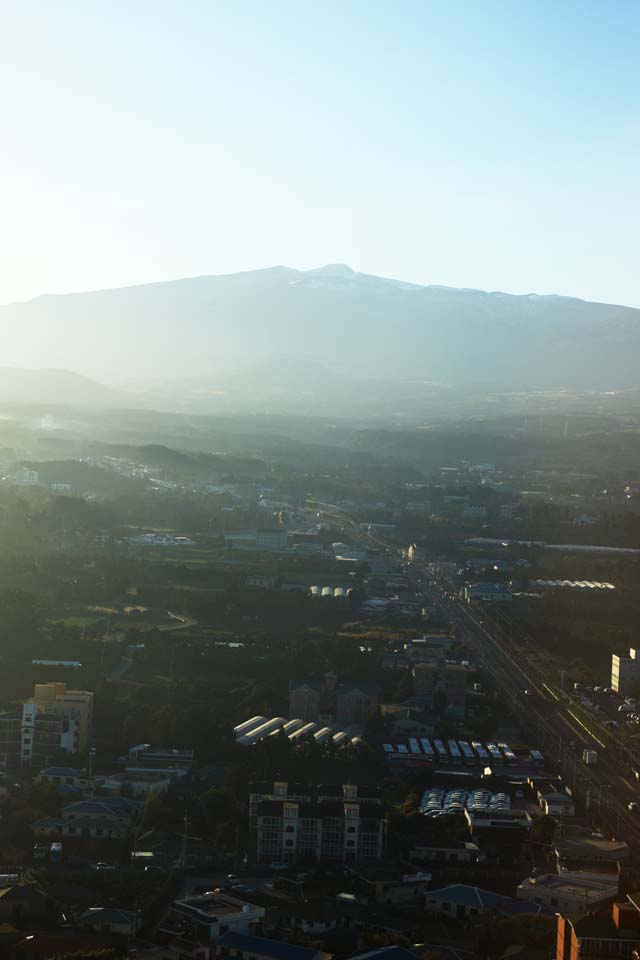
{"x": 569, "y": 894}
{"x": 625, "y": 672}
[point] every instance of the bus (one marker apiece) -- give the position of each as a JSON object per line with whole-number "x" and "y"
{"x": 494, "y": 753}
{"x": 454, "y": 750}
{"x": 441, "y": 750}
{"x": 508, "y": 754}
{"x": 427, "y": 749}
{"x": 480, "y": 752}
{"x": 467, "y": 753}
{"x": 536, "y": 758}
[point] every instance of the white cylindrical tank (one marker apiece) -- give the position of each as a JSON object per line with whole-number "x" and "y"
{"x": 339, "y": 592}
{"x": 314, "y": 590}
{"x": 248, "y": 725}
{"x": 327, "y": 591}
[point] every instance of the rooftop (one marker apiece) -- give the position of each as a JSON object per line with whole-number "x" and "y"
{"x": 261, "y": 946}
{"x": 212, "y": 906}
{"x": 467, "y": 896}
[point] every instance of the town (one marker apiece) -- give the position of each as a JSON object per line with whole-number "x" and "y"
{"x": 253, "y": 712}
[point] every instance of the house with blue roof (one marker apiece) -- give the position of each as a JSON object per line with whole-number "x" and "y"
{"x": 460, "y": 901}
{"x": 386, "y": 953}
{"x": 241, "y": 946}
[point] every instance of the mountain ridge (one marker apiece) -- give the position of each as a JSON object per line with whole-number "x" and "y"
{"x": 354, "y": 323}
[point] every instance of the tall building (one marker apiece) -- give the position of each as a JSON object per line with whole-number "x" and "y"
{"x": 55, "y": 719}
{"x": 342, "y": 831}
{"x": 601, "y": 937}
{"x": 625, "y": 672}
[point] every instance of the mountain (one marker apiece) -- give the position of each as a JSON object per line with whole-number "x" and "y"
{"x": 354, "y": 324}
{"x": 55, "y": 387}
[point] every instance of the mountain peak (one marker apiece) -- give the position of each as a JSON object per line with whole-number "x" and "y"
{"x": 333, "y": 270}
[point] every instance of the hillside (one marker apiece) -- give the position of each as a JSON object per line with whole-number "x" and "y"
{"x": 354, "y": 324}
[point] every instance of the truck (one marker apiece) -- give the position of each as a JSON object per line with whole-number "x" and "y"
{"x": 590, "y": 757}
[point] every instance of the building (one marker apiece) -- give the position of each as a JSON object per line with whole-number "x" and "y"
{"x": 275, "y": 790}
{"x": 242, "y": 946}
{"x": 271, "y": 539}
{"x": 487, "y": 593}
{"x": 568, "y": 893}
{"x": 580, "y": 846}
{"x": 109, "y": 818}
{"x": 327, "y": 699}
{"x": 192, "y": 927}
{"x": 461, "y": 852}
{"x": 55, "y": 719}
{"x": 601, "y": 937}
{"x": 112, "y": 920}
{"x": 10, "y": 741}
{"x": 25, "y": 904}
{"x": 63, "y": 777}
{"x": 625, "y": 673}
{"x": 347, "y": 831}
{"x": 462, "y": 902}
{"x": 159, "y": 758}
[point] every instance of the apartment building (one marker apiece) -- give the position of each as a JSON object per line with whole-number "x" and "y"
{"x": 343, "y": 831}
{"x": 625, "y": 673}
{"x": 54, "y": 719}
{"x": 275, "y": 790}
{"x": 601, "y": 937}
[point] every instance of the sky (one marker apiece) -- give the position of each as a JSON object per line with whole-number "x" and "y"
{"x": 479, "y": 144}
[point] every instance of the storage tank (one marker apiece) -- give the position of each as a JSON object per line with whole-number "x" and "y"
{"x": 339, "y": 592}
{"x": 302, "y": 732}
{"x": 248, "y": 725}
{"x": 262, "y": 731}
{"x": 327, "y": 591}
{"x": 314, "y": 590}
{"x": 322, "y": 734}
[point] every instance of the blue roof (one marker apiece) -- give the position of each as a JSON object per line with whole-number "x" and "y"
{"x": 386, "y": 953}
{"x": 267, "y": 948}
{"x": 467, "y": 896}
{"x": 528, "y": 907}
{"x": 61, "y": 772}
{"x": 112, "y": 805}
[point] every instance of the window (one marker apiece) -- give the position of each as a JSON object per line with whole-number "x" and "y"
{"x": 289, "y": 843}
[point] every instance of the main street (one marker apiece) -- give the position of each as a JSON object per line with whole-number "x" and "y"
{"x": 550, "y": 717}
{"x": 547, "y": 715}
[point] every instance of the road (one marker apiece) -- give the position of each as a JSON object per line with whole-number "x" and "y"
{"x": 558, "y": 725}
{"x": 552, "y": 719}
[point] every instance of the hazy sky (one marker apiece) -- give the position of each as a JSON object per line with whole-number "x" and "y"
{"x": 483, "y": 144}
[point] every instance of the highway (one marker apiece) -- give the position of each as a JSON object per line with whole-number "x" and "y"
{"x": 553, "y": 721}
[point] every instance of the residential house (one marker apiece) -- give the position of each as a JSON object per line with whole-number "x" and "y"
{"x": 462, "y": 902}
{"x": 242, "y": 946}
{"x": 570, "y": 894}
{"x": 192, "y": 927}
{"x": 126, "y": 923}
{"x": 25, "y": 903}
